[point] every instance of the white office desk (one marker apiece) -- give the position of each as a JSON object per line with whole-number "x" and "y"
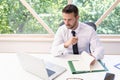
{"x": 10, "y": 68}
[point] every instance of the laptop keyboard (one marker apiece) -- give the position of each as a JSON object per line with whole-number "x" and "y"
{"x": 50, "y": 72}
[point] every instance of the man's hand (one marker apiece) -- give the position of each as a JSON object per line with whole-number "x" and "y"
{"x": 71, "y": 41}
{"x": 93, "y": 62}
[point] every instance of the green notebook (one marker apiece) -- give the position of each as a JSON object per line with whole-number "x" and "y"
{"x": 77, "y": 68}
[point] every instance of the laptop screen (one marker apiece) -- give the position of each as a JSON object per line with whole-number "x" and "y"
{"x": 50, "y": 72}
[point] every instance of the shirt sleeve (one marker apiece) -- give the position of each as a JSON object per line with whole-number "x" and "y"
{"x": 96, "y": 47}
{"x": 58, "y": 44}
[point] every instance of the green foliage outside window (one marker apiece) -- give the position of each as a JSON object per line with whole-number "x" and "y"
{"x": 91, "y": 10}
{"x": 16, "y": 19}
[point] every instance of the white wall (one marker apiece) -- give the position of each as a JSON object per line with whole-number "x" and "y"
{"x": 111, "y": 47}
{"x": 27, "y": 46}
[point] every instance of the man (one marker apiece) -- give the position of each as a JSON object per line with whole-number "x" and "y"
{"x": 83, "y": 36}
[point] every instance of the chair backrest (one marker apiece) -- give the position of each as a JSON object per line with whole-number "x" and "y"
{"x": 92, "y": 24}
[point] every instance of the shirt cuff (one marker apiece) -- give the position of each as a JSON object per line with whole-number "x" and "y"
{"x": 99, "y": 53}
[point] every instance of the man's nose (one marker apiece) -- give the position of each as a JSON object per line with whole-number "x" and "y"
{"x": 66, "y": 22}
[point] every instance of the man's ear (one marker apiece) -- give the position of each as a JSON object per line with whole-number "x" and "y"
{"x": 77, "y": 17}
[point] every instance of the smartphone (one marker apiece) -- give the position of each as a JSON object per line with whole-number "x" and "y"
{"x": 109, "y": 76}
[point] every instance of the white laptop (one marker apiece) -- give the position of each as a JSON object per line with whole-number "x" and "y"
{"x": 40, "y": 68}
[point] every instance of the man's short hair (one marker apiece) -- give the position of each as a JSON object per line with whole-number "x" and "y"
{"x": 70, "y": 8}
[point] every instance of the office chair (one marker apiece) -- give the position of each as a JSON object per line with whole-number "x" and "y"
{"x": 92, "y": 24}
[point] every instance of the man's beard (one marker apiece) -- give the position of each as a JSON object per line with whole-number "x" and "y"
{"x": 71, "y": 26}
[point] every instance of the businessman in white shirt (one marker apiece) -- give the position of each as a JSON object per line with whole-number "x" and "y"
{"x": 83, "y": 37}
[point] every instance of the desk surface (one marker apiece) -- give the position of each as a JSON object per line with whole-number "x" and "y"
{"x": 10, "y": 68}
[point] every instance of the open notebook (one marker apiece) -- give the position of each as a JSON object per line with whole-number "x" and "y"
{"x": 83, "y": 64}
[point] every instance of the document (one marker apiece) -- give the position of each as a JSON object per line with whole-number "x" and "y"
{"x": 117, "y": 65}
{"x": 83, "y": 64}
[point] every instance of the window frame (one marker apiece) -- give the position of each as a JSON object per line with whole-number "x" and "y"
{"x": 50, "y": 37}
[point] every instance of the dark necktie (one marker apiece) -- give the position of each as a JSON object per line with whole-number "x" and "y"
{"x": 75, "y": 47}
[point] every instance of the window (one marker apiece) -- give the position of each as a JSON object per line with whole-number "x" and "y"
{"x": 92, "y": 10}
{"x": 15, "y": 18}
{"x": 111, "y": 24}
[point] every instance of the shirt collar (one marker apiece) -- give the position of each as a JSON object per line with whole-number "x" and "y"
{"x": 77, "y": 29}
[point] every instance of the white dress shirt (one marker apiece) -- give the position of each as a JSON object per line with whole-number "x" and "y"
{"x": 86, "y": 36}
